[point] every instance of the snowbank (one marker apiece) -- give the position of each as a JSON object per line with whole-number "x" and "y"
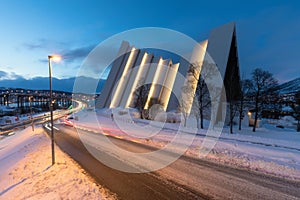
{"x": 26, "y": 171}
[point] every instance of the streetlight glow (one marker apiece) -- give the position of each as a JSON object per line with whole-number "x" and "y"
{"x": 55, "y": 58}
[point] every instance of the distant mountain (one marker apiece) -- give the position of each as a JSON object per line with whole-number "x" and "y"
{"x": 87, "y": 84}
{"x": 84, "y": 84}
{"x": 290, "y": 87}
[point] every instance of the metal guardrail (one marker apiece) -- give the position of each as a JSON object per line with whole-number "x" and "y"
{"x": 4, "y": 130}
{"x": 21, "y": 123}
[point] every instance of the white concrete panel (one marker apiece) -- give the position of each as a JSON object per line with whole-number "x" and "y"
{"x": 140, "y": 78}
{"x": 168, "y": 85}
{"x": 109, "y": 83}
{"x": 159, "y": 78}
{"x": 128, "y": 79}
{"x": 218, "y": 47}
{"x": 122, "y": 82}
{"x": 150, "y": 77}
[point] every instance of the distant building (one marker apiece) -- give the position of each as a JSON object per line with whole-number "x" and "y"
{"x": 134, "y": 67}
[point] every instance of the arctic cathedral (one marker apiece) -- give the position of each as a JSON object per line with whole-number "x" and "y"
{"x": 134, "y": 67}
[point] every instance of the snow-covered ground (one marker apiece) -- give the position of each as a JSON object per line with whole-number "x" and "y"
{"x": 26, "y": 171}
{"x": 25, "y": 157}
{"x": 10, "y": 120}
{"x": 270, "y": 150}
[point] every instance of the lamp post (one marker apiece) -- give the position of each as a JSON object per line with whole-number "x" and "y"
{"x": 55, "y": 58}
{"x": 249, "y": 118}
{"x": 31, "y": 117}
{"x": 30, "y": 98}
{"x": 4, "y": 99}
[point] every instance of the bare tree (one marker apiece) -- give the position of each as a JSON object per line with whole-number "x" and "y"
{"x": 296, "y": 108}
{"x": 233, "y": 109}
{"x": 262, "y": 85}
{"x": 140, "y": 96}
{"x": 232, "y": 97}
{"x": 155, "y": 107}
{"x": 245, "y": 87}
{"x": 202, "y": 95}
{"x": 186, "y": 100}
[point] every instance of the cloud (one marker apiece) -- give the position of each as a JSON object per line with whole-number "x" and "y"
{"x": 44, "y": 44}
{"x": 3, "y": 74}
{"x": 43, "y": 60}
{"x": 39, "y": 44}
{"x": 71, "y": 55}
{"x": 36, "y": 45}
{"x": 14, "y": 76}
{"x": 9, "y": 76}
{"x": 98, "y": 60}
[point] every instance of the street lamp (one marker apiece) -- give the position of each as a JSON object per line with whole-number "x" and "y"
{"x": 249, "y": 114}
{"x": 30, "y": 105}
{"x": 250, "y": 120}
{"x": 55, "y": 58}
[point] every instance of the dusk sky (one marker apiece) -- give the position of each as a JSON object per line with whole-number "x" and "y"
{"x": 268, "y": 32}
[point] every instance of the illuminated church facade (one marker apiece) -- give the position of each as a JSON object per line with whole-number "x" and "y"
{"x": 135, "y": 67}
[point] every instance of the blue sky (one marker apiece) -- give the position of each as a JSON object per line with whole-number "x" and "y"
{"x": 267, "y": 31}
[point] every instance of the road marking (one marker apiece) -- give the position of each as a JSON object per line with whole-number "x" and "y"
{"x": 49, "y": 128}
{"x": 11, "y": 133}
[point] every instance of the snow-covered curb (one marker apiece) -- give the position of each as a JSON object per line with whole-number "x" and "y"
{"x": 26, "y": 171}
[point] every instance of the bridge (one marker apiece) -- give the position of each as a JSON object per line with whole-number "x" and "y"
{"x": 25, "y": 101}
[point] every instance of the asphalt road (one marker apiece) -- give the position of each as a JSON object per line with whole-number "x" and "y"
{"x": 186, "y": 178}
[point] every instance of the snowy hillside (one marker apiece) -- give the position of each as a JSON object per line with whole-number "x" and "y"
{"x": 42, "y": 83}
{"x": 290, "y": 87}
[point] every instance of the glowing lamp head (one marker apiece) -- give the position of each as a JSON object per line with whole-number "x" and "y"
{"x": 249, "y": 113}
{"x": 55, "y": 58}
